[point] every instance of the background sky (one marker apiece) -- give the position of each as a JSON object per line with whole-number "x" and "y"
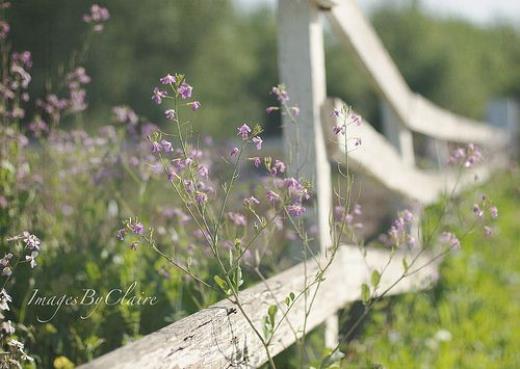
{"x": 478, "y": 11}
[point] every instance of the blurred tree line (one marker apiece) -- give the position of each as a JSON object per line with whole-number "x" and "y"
{"x": 229, "y": 56}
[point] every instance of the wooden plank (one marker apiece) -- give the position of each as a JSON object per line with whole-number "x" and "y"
{"x": 380, "y": 160}
{"x": 302, "y": 70}
{"x": 217, "y": 336}
{"x": 416, "y": 113}
{"x": 398, "y": 134}
{"x": 301, "y": 62}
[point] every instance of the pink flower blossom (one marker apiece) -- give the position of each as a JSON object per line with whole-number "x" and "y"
{"x": 201, "y": 197}
{"x": 156, "y": 147}
{"x": 278, "y": 167}
{"x": 355, "y": 119}
{"x": 494, "y": 212}
{"x": 281, "y": 93}
{"x": 158, "y": 95}
{"x": 234, "y": 152}
{"x": 295, "y": 210}
{"x": 97, "y": 16}
{"x": 256, "y": 161}
{"x": 258, "y": 142}
{"x": 243, "y": 131}
{"x": 167, "y": 79}
{"x": 339, "y": 129}
{"x": 137, "y": 228}
{"x": 185, "y": 90}
{"x": 170, "y": 114}
{"x": 450, "y": 239}
{"x": 203, "y": 171}
{"x": 166, "y": 146}
{"x": 237, "y": 219}
{"x": 195, "y": 105}
{"x": 478, "y": 211}
{"x": 270, "y": 109}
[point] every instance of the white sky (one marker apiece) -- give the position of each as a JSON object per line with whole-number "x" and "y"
{"x": 478, "y": 11}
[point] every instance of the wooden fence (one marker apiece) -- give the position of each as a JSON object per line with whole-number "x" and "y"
{"x": 220, "y": 336}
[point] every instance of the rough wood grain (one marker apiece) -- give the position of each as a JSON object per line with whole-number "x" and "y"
{"x": 417, "y": 113}
{"x": 301, "y": 62}
{"x": 219, "y": 336}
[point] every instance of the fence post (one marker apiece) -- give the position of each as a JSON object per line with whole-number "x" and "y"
{"x": 301, "y": 63}
{"x": 398, "y": 135}
{"x": 505, "y": 113}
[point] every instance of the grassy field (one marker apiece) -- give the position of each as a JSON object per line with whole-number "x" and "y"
{"x": 471, "y": 319}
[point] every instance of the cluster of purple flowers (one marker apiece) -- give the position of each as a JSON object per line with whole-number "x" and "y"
{"x": 485, "y": 209}
{"x": 181, "y": 89}
{"x": 399, "y": 233}
{"x": 350, "y": 218}
{"x": 31, "y": 246}
{"x": 466, "y": 156}
{"x": 14, "y": 86}
{"x": 280, "y": 92}
{"x": 344, "y": 117}
{"x": 97, "y": 17}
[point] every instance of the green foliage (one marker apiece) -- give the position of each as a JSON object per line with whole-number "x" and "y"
{"x": 470, "y": 319}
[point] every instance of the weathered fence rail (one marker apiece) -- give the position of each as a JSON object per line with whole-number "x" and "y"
{"x": 220, "y": 336}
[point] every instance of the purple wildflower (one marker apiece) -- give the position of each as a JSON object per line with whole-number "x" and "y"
{"x": 169, "y": 114}
{"x": 195, "y": 105}
{"x": 478, "y": 211}
{"x": 355, "y": 119}
{"x": 243, "y": 131}
{"x": 450, "y": 239}
{"x": 339, "y": 129}
{"x": 270, "y": 109}
{"x": 256, "y": 161}
{"x": 185, "y": 90}
{"x": 137, "y": 228}
{"x": 281, "y": 93}
{"x": 237, "y": 219}
{"x": 295, "y": 210}
{"x": 494, "y": 212}
{"x": 167, "y": 79}
{"x": 156, "y": 147}
{"x": 4, "y": 30}
{"x": 158, "y": 95}
{"x": 201, "y": 197}
{"x": 97, "y": 16}
{"x": 166, "y": 146}
{"x": 278, "y": 167}
{"x": 203, "y": 171}
{"x": 121, "y": 234}
{"x": 124, "y": 114}
{"x": 258, "y": 142}
{"x": 234, "y": 152}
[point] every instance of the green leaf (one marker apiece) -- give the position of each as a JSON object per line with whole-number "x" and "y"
{"x": 405, "y": 265}
{"x": 365, "y": 293}
{"x": 221, "y": 283}
{"x": 271, "y": 312}
{"x": 375, "y": 278}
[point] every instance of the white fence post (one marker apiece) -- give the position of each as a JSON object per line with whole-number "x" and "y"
{"x": 398, "y": 135}
{"x": 505, "y": 113}
{"x": 301, "y": 62}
